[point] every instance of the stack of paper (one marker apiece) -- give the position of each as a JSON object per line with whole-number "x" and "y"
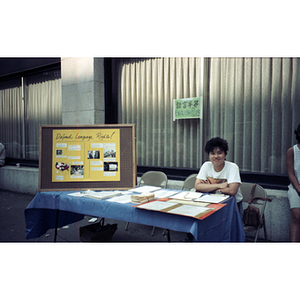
{"x": 101, "y": 195}
{"x": 142, "y": 198}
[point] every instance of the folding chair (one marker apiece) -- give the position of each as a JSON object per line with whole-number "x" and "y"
{"x": 153, "y": 178}
{"x": 189, "y": 182}
{"x": 260, "y": 200}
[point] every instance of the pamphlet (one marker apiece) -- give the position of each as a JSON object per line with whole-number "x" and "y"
{"x": 172, "y": 206}
{"x": 190, "y": 210}
{"x": 121, "y": 199}
{"x": 162, "y": 193}
{"x": 158, "y": 205}
{"x": 189, "y": 202}
{"x": 96, "y": 195}
{"x": 145, "y": 189}
{"x": 212, "y": 198}
{"x": 187, "y": 196}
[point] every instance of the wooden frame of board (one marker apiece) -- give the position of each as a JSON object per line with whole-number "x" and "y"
{"x": 117, "y": 171}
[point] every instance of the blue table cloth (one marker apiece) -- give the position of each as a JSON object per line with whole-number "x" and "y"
{"x": 224, "y": 225}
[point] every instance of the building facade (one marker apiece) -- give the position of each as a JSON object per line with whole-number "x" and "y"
{"x": 251, "y": 102}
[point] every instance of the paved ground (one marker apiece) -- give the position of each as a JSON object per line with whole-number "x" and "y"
{"x": 83, "y": 269}
{"x": 12, "y": 225}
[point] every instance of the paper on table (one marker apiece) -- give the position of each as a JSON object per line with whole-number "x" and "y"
{"x": 173, "y": 207}
{"x": 187, "y": 196}
{"x": 193, "y": 195}
{"x": 189, "y": 210}
{"x": 145, "y": 189}
{"x": 77, "y": 194}
{"x": 121, "y": 199}
{"x": 214, "y": 207}
{"x": 157, "y": 205}
{"x": 212, "y": 198}
{"x": 188, "y": 202}
{"x": 126, "y": 192}
{"x": 101, "y": 195}
{"x": 164, "y": 193}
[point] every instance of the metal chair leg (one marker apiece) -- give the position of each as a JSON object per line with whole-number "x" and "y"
{"x": 257, "y": 232}
{"x": 265, "y": 230}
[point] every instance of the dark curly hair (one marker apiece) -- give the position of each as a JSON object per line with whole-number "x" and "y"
{"x": 216, "y": 142}
{"x": 297, "y": 132}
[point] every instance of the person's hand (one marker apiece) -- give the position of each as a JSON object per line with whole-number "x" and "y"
{"x": 223, "y": 185}
{"x": 205, "y": 181}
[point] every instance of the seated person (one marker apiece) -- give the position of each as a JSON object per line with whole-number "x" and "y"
{"x": 219, "y": 175}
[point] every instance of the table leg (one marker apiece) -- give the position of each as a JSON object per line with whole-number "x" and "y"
{"x": 56, "y": 223}
{"x": 168, "y": 235}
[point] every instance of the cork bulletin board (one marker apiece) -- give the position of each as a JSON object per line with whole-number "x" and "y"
{"x": 94, "y": 157}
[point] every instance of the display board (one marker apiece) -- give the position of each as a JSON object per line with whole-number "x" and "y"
{"x": 97, "y": 157}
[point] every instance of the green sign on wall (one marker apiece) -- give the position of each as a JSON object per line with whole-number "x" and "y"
{"x": 188, "y": 108}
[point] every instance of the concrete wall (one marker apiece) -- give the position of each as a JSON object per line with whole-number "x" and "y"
{"x": 22, "y": 180}
{"x": 83, "y": 93}
{"x": 278, "y": 216}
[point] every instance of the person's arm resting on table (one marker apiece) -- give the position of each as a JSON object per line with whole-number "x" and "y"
{"x": 231, "y": 189}
{"x": 205, "y": 186}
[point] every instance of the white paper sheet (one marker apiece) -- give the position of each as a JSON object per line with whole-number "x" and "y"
{"x": 121, "y": 199}
{"x": 187, "y": 196}
{"x": 145, "y": 189}
{"x": 77, "y": 194}
{"x": 101, "y": 195}
{"x": 190, "y": 202}
{"x": 164, "y": 193}
{"x": 189, "y": 210}
{"x": 157, "y": 205}
{"x": 212, "y": 198}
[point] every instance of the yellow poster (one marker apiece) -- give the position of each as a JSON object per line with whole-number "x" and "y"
{"x": 86, "y": 155}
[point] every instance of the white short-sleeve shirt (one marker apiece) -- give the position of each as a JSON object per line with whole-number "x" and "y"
{"x": 229, "y": 173}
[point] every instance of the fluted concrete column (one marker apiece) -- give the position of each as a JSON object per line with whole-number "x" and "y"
{"x": 83, "y": 101}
